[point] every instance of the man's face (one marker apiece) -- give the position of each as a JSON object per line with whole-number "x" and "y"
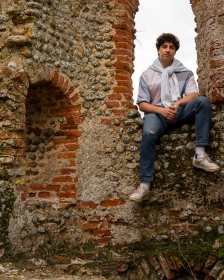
{"x": 167, "y": 52}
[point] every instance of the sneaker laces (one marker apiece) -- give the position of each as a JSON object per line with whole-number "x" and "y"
{"x": 208, "y": 158}
{"x": 140, "y": 188}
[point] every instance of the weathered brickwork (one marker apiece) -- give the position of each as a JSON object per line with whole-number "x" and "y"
{"x": 70, "y": 142}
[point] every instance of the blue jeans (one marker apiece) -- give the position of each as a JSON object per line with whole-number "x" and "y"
{"x": 197, "y": 111}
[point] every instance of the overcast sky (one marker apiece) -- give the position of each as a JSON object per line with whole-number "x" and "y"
{"x": 156, "y": 17}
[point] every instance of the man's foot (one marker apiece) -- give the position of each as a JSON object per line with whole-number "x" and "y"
{"x": 205, "y": 163}
{"x": 140, "y": 194}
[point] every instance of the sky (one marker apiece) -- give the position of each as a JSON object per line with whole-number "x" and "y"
{"x": 156, "y": 17}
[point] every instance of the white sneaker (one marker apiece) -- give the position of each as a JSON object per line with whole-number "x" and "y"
{"x": 205, "y": 163}
{"x": 140, "y": 194}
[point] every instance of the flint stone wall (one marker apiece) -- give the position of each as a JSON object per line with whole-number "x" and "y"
{"x": 70, "y": 137}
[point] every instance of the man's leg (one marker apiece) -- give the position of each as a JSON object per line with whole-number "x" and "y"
{"x": 200, "y": 110}
{"x": 154, "y": 125}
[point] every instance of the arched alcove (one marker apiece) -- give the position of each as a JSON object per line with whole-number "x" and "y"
{"x": 51, "y": 136}
{"x": 51, "y": 139}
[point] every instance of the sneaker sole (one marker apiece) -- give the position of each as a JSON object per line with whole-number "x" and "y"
{"x": 206, "y": 169}
{"x": 135, "y": 199}
{"x": 138, "y": 200}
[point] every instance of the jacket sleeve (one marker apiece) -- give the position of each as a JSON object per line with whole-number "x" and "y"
{"x": 143, "y": 92}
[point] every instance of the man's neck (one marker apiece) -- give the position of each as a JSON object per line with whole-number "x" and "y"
{"x": 165, "y": 64}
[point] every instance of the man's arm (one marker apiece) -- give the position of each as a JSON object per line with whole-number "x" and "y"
{"x": 186, "y": 99}
{"x": 169, "y": 112}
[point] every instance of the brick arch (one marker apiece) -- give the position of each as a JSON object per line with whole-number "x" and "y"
{"x": 34, "y": 81}
{"x": 23, "y": 79}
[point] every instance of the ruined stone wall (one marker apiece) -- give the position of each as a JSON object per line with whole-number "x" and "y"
{"x": 70, "y": 142}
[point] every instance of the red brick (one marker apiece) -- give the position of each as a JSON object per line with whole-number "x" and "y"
{"x": 65, "y": 86}
{"x": 94, "y": 219}
{"x": 72, "y": 163}
{"x": 122, "y": 90}
{"x": 124, "y": 72}
{"x": 123, "y": 26}
{"x": 128, "y": 105}
{"x": 128, "y": 97}
{"x": 74, "y": 98}
{"x": 68, "y": 126}
{"x": 60, "y": 82}
{"x": 104, "y": 225}
{"x": 123, "y": 52}
{"x": 120, "y": 221}
{"x": 169, "y": 275}
{"x": 114, "y": 96}
{"x": 105, "y": 121}
{"x": 124, "y": 33}
{"x": 195, "y": 227}
{"x": 37, "y": 187}
{"x": 74, "y": 223}
{"x": 127, "y": 66}
{"x": 141, "y": 275}
{"x": 77, "y": 133}
{"x": 124, "y": 84}
{"x": 67, "y": 171}
{"x": 21, "y": 188}
{"x": 89, "y": 204}
{"x": 52, "y": 188}
{"x": 74, "y": 120}
{"x": 122, "y": 77}
{"x": 124, "y": 46}
{"x": 44, "y": 195}
{"x": 76, "y": 179}
{"x": 71, "y": 188}
{"x": 122, "y": 39}
{"x": 103, "y": 240}
{"x": 23, "y": 197}
{"x": 112, "y": 104}
{"x": 20, "y": 143}
{"x": 125, "y": 59}
{"x": 101, "y": 232}
{"x": 89, "y": 226}
{"x": 55, "y": 79}
{"x": 65, "y": 141}
{"x": 154, "y": 262}
{"x": 175, "y": 228}
{"x": 70, "y": 91}
{"x": 32, "y": 194}
{"x": 62, "y": 180}
{"x": 116, "y": 202}
{"x": 66, "y": 155}
{"x": 22, "y": 78}
{"x": 175, "y": 213}
{"x": 66, "y": 195}
{"x": 119, "y": 112}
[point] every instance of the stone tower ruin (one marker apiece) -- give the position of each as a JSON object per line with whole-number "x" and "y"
{"x": 70, "y": 139}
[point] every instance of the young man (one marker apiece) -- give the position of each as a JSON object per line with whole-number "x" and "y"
{"x": 169, "y": 97}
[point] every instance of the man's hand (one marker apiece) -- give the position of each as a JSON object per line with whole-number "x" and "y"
{"x": 169, "y": 113}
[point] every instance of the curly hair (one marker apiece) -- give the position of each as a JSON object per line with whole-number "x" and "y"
{"x": 167, "y": 37}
